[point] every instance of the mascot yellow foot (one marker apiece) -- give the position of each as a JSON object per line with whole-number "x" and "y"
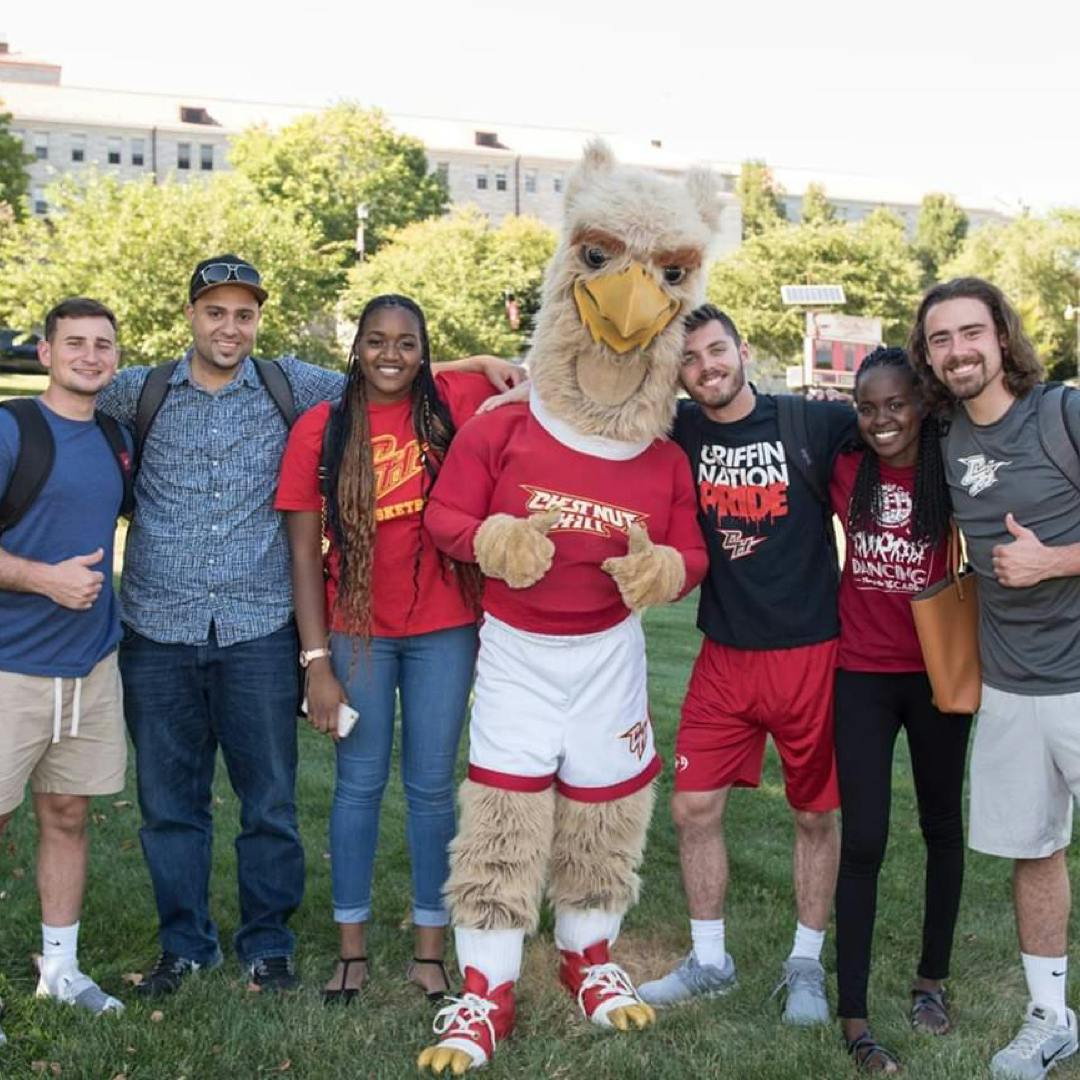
{"x": 470, "y": 1026}
{"x": 603, "y": 990}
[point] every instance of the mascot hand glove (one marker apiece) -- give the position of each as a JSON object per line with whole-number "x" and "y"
{"x": 649, "y": 574}
{"x": 516, "y": 550}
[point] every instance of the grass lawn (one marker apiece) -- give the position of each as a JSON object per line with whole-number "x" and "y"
{"x": 213, "y": 1028}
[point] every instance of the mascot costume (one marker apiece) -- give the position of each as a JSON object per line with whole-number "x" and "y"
{"x": 579, "y": 513}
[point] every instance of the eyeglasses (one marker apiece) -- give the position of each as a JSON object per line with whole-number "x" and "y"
{"x": 219, "y": 273}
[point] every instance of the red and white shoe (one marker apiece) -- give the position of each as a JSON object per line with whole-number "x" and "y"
{"x": 602, "y": 988}
{"x": 470, "y": 1025}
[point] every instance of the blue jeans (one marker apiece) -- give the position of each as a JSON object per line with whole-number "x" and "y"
{"x": 433, "y": 673}
{"x": 181, "y": 702}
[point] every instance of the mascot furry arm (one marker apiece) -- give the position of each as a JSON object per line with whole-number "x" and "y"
{"x": 579, "y": 512}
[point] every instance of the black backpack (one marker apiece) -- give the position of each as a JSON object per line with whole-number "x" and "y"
{"x": 1055, "y": 435}
{"x": 154, "y": 390}
{"x": 37, "y": 452}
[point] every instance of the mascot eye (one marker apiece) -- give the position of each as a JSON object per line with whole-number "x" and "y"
{"x": 594, "y": 257}
{"x": 674, "y": 275}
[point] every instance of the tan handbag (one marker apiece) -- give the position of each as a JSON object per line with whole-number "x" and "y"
{"x": 947, "y": 621}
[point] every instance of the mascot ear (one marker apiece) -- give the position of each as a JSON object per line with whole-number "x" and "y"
{"x": 598, "y": 159}
{"x": 704, "y": 188}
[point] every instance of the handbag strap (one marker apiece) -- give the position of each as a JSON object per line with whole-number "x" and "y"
{"x": 954, "y": 558}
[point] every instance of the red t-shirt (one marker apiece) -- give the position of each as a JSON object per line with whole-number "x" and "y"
{"x": 506, "y": 463}
{"x": 882, "y": 571}
{"x": 408, "y": 595}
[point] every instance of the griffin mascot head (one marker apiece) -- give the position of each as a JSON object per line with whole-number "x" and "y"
{"x": 609, "y": 334}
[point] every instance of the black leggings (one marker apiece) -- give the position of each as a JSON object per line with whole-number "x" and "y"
{"x": 870, "y": 710}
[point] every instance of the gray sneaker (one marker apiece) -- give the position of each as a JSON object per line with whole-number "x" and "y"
{"x": 1039, "y": 1045}
{"x": 688, "y": 981}
{"x": 82, "y": 992}
{"x": 804, "y": 982}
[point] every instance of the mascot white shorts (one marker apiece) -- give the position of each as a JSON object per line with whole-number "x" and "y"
{"x": 571, "y": 711}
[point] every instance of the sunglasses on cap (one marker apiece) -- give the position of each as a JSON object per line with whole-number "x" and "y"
{"x": 219, "y": 273}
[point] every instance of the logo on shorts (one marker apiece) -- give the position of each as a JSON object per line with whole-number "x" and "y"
{"x": 637, "y": 738}
{"x": 981, "y": 473}
{"x": 582, "y": 515}
{"x": 682, "y": 763}
{"x": 738, "y": 543}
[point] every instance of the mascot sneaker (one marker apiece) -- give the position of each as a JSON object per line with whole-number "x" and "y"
{"x": 1039, "y": 1045}
{"x": 470, "y": 1026}
{"x": 690, "y": 980}
{"x": 804, "y": 981}
{"x": 603, "y": 990}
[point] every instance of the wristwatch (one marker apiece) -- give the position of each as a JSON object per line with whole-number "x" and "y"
{"x": 307, "y": 655}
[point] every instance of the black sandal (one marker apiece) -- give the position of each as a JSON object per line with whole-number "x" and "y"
{"x": 343, "y": 994}
{"x": 434, "y": 996}
{"x": 930, "y": 1005}
{"x": 870, "y": 1055}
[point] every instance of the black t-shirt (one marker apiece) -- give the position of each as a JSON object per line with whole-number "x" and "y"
{"x": 772, "y": 570}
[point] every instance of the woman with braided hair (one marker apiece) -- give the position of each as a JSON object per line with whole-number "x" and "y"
{"x": 390, "y": 617}
{"x": 892, "y": 500}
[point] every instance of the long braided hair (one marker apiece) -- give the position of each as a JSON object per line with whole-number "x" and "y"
{"x": 351, "y": 487}
{"x": 932, "y": 505}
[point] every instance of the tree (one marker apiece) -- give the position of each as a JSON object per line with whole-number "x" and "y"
{"x": 13, "y": 162}
{"x": 759, "y": 195}
{"x": 816, "y": 208}
{"x": 134, "y": 245}
{"x": 324, "y": 165}
{"x": 870, "y": 259}
{"x": 939, "y": 233}
{"x": 1036, "y": 263}
{"x": 459, "y": 270}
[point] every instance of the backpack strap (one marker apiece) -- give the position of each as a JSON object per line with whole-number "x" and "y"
{"x": 795, "y": 435}
{"x": 114, "y": 436}
{"x": 1055, "y": 433}
{"x": 37, "y": 452}
{"x": 151, "y": 398}
{"x": 278, "y": 387}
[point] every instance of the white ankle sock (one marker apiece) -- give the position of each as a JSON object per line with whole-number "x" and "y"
{"x": 808, "y": 943}
{"x": 496, "y": 954}
{"x": 575, "y": 931}
{"x": 1046, "y": 977}
{"x": 708, "y": 938}
{"x": 59, "y": 953}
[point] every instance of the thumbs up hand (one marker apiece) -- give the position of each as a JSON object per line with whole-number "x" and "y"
{"x": 1025, "y": 560}
{"x": 648, "y": 573}
{"x": 516, "y": 550}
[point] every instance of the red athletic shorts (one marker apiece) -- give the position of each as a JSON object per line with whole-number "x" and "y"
{"x": 738, "y": 696}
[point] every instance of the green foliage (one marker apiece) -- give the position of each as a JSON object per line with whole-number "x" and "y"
{"x": 870, "y": 259}
{"x": 13, "y": 178}
{"x": 759, "y": 194}
{"x": 1036, "y": 262}
{"x": 133, "y": 246}
{"x": 458, "y": 269}
{"x": 323, "y": 165}
{"x": 816, "y": 208}
{"x": 939, "y": 234}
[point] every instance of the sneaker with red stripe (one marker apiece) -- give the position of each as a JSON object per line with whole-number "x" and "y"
{"x": 598, "y": 985}
{"x": 477, "y": 1019}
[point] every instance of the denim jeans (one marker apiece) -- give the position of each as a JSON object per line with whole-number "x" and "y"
{"x": 181, "y": 702}
{"x": 433, "y": 673}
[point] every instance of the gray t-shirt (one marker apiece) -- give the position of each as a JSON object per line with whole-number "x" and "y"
{"x": 1030, "y": 637}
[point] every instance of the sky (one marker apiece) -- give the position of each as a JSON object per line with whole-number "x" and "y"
{"x": 979, "y": 100}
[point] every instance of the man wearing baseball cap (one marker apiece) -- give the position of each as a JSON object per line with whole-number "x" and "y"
{"x": 209, "y": 649}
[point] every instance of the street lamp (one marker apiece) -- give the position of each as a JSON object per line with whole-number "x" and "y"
{"x": 361, "y": 219}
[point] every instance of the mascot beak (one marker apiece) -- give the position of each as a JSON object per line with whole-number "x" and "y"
{"x": 624, "y": 310}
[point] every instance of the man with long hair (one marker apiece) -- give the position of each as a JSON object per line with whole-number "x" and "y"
{"x": 1020, "y": 513}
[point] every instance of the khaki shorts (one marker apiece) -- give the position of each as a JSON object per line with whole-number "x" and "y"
{"x": 1025, "y": 772}
{"x": 88, "y": 759}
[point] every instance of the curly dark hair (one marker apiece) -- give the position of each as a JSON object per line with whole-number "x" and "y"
{"x": 932, "y": 506}
{"x": 1022, "y": 367}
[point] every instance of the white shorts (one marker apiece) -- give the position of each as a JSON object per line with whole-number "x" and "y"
{"x": 573, "y": 711}
{"x": 1025, "y": 772}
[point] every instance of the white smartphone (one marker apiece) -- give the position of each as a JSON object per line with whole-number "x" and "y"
{"x": 346, "y": 717}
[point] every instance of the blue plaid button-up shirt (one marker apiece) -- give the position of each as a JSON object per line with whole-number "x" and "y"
{"x": 206, "y": 544}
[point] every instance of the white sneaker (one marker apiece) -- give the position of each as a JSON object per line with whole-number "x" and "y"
{"x": 1039, "y": 1045}
{"x": 81, "y": 991}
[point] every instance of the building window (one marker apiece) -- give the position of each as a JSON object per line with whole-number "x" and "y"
{"x": 206, "y": 156}
{"x": 500, "y": 180}
{"x": 41, "y": 146}
{"x": 530, "y": 181}
{"x": 78, "y": 147}
{"x": 37, "y": 196}
{"x": 481, "y": 180}
{"x": 183, "y": 155}
{"x": 556, "y": 183}
{"x": 442, "y": 171}
{"x": 138, "y": 151}
{"x": 113, "y": 149}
